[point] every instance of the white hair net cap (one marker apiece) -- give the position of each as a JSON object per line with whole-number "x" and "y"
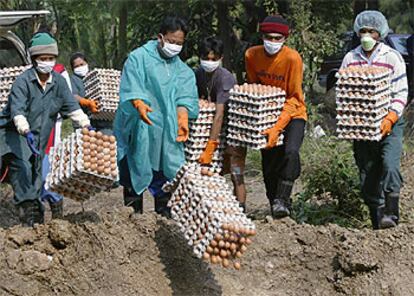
{"x": 372, "y": 19}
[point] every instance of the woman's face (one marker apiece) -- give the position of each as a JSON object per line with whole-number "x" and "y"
{"x": 79, "y": 62}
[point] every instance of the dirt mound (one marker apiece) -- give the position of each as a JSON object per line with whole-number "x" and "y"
{"x": 114, "y": 253}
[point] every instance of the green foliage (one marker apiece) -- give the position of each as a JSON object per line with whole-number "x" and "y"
{"x": 400, "y": 15}
{"x": 330, "y": 184}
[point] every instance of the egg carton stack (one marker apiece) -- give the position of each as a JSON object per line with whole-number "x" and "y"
{"x": 102, "y": 85}
{"x": 7, "y": 77}
{"x": 83, "y": 165}
{"x": 362, "y": 101}
{"x": 209, "y": 215}
{"x": 200, "y": 133}
{"x": 253, "y": 108}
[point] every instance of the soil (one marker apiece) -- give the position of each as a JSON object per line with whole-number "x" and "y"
{"x": 101, "y": 248}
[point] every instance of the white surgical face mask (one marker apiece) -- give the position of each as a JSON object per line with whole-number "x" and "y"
{"x": 45, "y": 67}
{"x": 272, "y": 47}
{"x": 81, "y": 70}
{"x": 209, "y": 66}
{"x": 171, "y": 50}
{"x": 367, "y": 42}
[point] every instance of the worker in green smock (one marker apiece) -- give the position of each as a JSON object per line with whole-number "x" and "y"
{"x": 36, "y": 98}
{"x": 158, "y": 94}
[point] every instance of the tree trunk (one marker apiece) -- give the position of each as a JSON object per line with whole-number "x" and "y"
{"x": 225, "y": 31}
{"x": 122, "y": 33}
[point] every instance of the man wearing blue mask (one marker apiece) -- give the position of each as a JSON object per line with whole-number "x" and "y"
{"x": 36, "y": 98}
{"x": 158, "y": 95}
{"x": 379, "y": 162}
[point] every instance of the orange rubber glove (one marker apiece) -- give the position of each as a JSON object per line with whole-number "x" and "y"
{"x": 143, "y": 110}
{"x": 207, "y": 156}
{"x": 90, "y": 104}
{"x": 388, "y": 122}
{"x": 274, "y": 132}
{"x": 183, "y": 131}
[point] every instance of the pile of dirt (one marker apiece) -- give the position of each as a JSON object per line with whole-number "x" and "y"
{"x": 116, "y": 253}
{"x": 101, "y": 248}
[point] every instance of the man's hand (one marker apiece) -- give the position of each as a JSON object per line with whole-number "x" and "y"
{"x": 90, "y": 104}
{"x": 183, "y": 130}
{"x": 207, "y": 156}
{"x": 388, "y": 122}
{"x": 143, "y": 110}
{"x": 31, "y": 143}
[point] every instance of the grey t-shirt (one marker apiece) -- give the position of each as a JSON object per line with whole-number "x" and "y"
{"x": 215, "y": 88}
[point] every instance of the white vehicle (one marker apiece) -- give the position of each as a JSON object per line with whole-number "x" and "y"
{"x": 13, "y": 51}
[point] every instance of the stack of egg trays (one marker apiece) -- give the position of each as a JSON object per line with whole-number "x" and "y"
{"x": 102, "y": 85}
{"x": 362, "y": 102}
{"x": 199, "y": 135}
{"x": 68, "y": 177}
{"x": 250, "y": 114}
{"x": 7, "y": 77}
{"x": 198, "y": 210}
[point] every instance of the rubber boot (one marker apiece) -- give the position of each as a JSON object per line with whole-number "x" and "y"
{"x": 280, "y": 206}
{"x": 391, "y": 211}
{"x": 160, "y": 205}
{"x": 30, "y": 213}
{"x": 376, "y": 213}
{"x": 131, "y": 199}
{"x": 57, "y": 209}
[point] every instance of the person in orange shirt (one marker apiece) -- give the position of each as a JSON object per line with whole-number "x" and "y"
{"x": 273, "y": 63}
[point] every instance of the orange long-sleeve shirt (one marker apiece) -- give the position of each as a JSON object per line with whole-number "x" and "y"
{"x": 284, "y": 70}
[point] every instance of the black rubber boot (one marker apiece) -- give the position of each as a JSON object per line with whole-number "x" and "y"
{"x": 391, "y": 211}
{"x": 131, "y": 199}
{"x": 30, "y": 213}
{"x": 281, "y": 205}
{"x": 376, "y": 213}
{"x": 160, "y": 205}
{"x": 57, "y": 209}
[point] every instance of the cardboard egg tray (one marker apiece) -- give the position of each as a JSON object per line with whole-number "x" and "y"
{"x": 209, "y": 216}
{"x": 102, "y": 85}
{"x": 200, "y": 133}
{"x": 362, "y": 102}
{"x": 7, "y": 78}
{"x": 82, "y": 165}
{"x": 253, "y": 108}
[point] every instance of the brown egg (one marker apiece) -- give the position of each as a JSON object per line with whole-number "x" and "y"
{"x": 209, "y": 249}
{"x": 218, "y": 236}
{"x": 106, "y": 158}
{"x": 243, "y": 248}
{"x": 221, "y": 244}
{"x": 112, "y": 152}
{"x": 216, "y": 251}
{"x": 233, "y": 246}
{"x": 100, "y": 169}
{"x": 86, "y": 145}
{"x": 213, "y": 243}
{"x": 219, "y": 259}
{"x": 93, "y": 166}
{"x": 112, "y": 139}
{"x": 99, "y": 135}
{"x": 100, "y": 162}
{"x": 204, "y": 171}
{"x": 214, "y": 259}
{"x": 93, "y": 147}
{"x": 239, "y": 254}
{"x": 223, "y": 253}
{"x": 227, "y": 246}
{"x": 114, "y": 174}
{"x": 86, "y": 165}
{"x": 86, "y": 151}
{"x": 106, "y": 144}
{"x": 92, "y": 133}
{"x": 92, "y": 140}
{"x": 106, "y": 150}
{"x": 113, "y": 159}
{"x": 85, "y": 131}
{"x": 112, "y": 146}
{"x": 107, "y": 171}
{"x": 105, "y": 138}
{"x": 99, "y": 142}
{"x": 225, "y": 263}
{"x": 237, "y": 265}
{"x": 242, "y": 240}
{"x": 206, "y": 256}
{"x": 248, "y": 241}
{"x": 86, "y": 138}
{"x": 113, "y": 166}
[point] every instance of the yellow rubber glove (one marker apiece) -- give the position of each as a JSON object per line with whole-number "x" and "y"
{"x": 274, "y": 132}
{"x": 183, "y": 131}
{"x": 388, "y": 122}
{"x": 90, "y": 104}
{"x": 143, "y": 110}
{"x": 207, "y": 156}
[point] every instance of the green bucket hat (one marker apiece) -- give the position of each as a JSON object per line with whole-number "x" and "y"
{"x": 43, "y": 43}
